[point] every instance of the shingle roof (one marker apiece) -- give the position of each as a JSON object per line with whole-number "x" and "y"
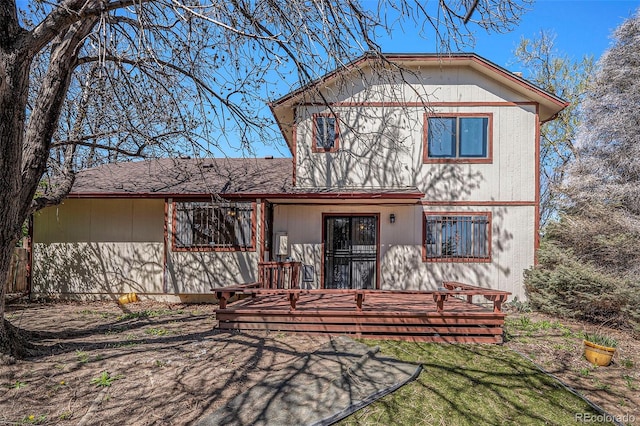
{"x": 187, "y": 176}
{"x": 228, "y": 177}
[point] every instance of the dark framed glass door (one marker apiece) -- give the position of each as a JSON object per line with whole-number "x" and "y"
{"x": 350, "y": 251}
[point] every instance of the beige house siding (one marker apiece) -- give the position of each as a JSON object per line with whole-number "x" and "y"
{"x": 386, "y": 150}
{"x": 400, "y": 245}
{"x": 512, "y": 251}
{"x": 116, "y": 245}
{"x": 200, "y": 271}
{"x": 103, "y": 246}
{"x": 430, "y": 83}
{"x": 511, "y": 176}
{"x": 106, "y": 247}
{"x": 381, "y": 145}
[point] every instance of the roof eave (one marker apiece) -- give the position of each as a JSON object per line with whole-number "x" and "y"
{"x": 552, "y": 103}
{"x": 382, "y": 195}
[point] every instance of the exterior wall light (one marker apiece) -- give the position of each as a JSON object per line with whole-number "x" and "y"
{"x": 392, "y": 218}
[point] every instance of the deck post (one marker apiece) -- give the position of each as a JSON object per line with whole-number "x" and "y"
{"x": 439, "y": 298}
{"x": 359, "y": 299}
{"x": 223, "y": 296}
{"x": 293, "y": 298}
{"x": 295, "y": 274}
{"x": 497, "y": 302}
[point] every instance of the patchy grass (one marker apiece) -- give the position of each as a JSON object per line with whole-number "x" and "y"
{"x": 34, "y": 420}
{"x": 471, "y": 385}
{"x": 17, "y": 385}
{"x": 105, "y": 379}
{"x": 153, "y": 331}
{"x": 460, "y": 384}
{"x": 95, "y": 313}
{"x": 560, "y": 350}
{"x": 149, "y": 313}
{"x": 525, "y": 326}
{"x": 82, "y": 356}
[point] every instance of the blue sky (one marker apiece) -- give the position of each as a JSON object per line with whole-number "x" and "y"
{"x": 582, "y": 27}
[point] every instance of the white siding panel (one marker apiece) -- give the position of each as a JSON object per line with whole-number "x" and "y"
{"x": 199, "y": 272}
{"x": 401, "y": 264}
{"x": 391, "y": 156}
{"x": 511, "y": 247}
{"x": 450, "y": 84}
{"x": 382, "y": 146}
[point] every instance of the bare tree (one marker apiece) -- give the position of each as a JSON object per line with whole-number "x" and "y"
{"x": 569, "y": 78}
{"x": 608, "y": 170}
{"x": 88, "y": 81}
{"x": 601, "y": 220}
{"x": 589, "y": 260}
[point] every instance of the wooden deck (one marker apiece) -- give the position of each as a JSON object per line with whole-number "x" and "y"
{"x": 446, "y": 315}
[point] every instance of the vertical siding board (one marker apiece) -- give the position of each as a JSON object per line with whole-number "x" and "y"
{"x": 386, "y": 153}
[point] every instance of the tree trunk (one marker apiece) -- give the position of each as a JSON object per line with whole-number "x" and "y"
{"x": 25, "y": 144}
{"x": 14, "y": 85}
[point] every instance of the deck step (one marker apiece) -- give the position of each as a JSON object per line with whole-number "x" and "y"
{"x": 386, "y": 316}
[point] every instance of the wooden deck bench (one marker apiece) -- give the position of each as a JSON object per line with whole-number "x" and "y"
{"x": 498, "y": 297}
{"x": 223, "y": 294}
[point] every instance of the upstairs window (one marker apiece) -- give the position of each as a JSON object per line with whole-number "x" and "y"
{"x": 457, "y": 238}
{"x": 213, "y": 226}
{"x": 325, "y": 133}
{"x": 458, "y": 138}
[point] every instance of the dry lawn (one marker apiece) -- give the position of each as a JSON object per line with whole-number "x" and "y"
{"x": 148, "y": 363}
{"x": 152, "y": 363}
{"x": 556, "y": 345}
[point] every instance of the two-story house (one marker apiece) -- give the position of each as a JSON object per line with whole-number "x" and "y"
{"x": 403, "y": 175}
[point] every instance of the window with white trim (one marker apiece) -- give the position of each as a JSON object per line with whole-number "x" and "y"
{"x": 208, "y": 225}
{"x": 464, "y": 237}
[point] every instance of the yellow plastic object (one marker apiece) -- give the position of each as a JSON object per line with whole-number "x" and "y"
{"x": 597, "y": 354}
{"x": 128, "y": 298}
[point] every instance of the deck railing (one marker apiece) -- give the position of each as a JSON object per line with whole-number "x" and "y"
{"x": 279, "y": 275}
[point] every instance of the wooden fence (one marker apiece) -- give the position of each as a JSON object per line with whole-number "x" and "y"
{"x": 17, "y": 281}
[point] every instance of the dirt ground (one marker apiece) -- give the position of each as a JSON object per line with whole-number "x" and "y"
{"x": 153, "y": 363}
{"x": 556, "y": 345}
{"x": 165, "y": 364}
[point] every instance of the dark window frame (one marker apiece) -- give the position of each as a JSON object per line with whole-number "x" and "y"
{"x": 206, "y": 225}
{"x": 488, "y": 159}
{"x": 315, "y": 135}
{"x": 442, "y": 245}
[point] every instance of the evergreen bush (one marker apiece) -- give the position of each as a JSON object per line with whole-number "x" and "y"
{"x": 563, "y": 285}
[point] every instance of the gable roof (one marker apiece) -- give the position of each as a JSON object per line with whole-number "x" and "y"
{"x": 550, "y": 104}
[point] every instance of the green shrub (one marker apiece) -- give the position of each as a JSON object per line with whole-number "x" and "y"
{"x": 563, "y": 285}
